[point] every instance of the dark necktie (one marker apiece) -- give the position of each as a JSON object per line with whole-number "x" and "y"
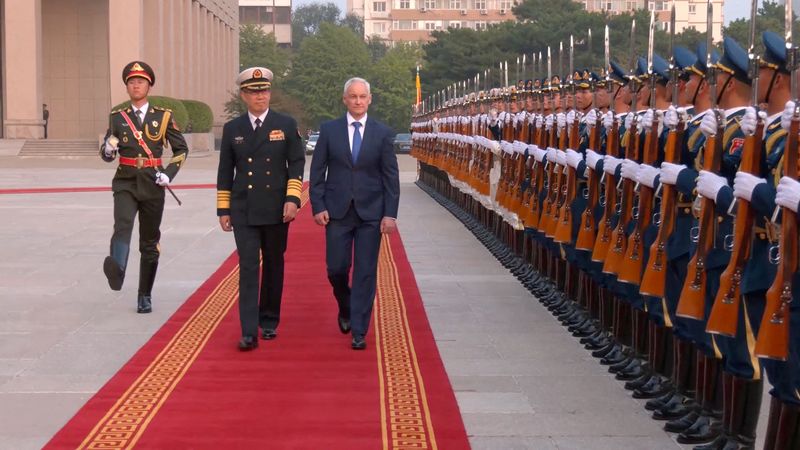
{"x": 140, "y": 117}
{"x": 258, "y": 124}
{"x": 356, "y": 140}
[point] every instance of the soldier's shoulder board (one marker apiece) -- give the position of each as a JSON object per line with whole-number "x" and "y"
{"x": 161, "y": 108}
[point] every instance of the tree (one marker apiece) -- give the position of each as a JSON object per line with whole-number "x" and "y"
{"x": 377, "y": 47}
{"x": 257, "y": 48}
{"x": 393, "y": 88}
{"x": 321, "y": 66}
{"x": 308, "y": 19}
{"x": 355, "y": 23}
{"x": 770, "y": 17}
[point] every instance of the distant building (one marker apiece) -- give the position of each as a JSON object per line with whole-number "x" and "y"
{"x": 69, "y": 54}
{"x": 414, "y": 20}
{"x": 688, "y": 13}
{"x": 274, "y": 16}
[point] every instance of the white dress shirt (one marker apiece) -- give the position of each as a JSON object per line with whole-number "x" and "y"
{"x": 253, "y": 118}
{"x": 351, "y": 128}
{"x": 144, "y": 108}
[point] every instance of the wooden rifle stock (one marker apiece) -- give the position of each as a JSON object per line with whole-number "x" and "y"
{"x": 616, "y": 249}
{"x": 773, "y": 335}
{"x": 558, "y": 190}
{"x": 724, "y": 317}
{"x": 654, "y": 280}
{"x": 563, "y": 233}
{"x": 604, "y": 227}
{"x": 631, "y": 271}
{"x": 547, "y": 207}
{"x": 587, "y": 229}
{"x": 692, "y": 300}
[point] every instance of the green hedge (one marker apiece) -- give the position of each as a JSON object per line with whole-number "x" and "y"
{"x": 179, "y": 113}
{"x": 201, "y": 118}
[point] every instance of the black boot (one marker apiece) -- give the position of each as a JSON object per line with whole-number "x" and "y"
{"x": 147, "y": 276}
{"x": 746, "y": 404}
{"x": 114, "y": 265}
{"x": 707, "y": 427}
{"x": 788, "y": 435}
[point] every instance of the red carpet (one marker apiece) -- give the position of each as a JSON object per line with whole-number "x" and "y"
{"x": 66, "y": 190}
{"x": 189, "y": 386}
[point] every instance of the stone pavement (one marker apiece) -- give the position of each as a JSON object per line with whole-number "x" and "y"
{"x": 522, "y": 381}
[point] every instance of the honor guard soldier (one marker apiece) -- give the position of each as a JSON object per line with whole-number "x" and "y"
{"x": 138, "y": 133}
{"x": 259, "y": 183}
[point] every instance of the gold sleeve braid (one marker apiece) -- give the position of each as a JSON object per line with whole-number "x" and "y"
{"x": 294, "y": 187}
{"x": 223, "y": 199}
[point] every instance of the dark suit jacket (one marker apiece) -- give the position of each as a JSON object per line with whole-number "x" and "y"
{"x": 259, "y": 171}
{"x": 372, "y": 185}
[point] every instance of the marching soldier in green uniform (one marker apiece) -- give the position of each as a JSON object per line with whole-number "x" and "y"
{"x": 139, "y": 133}
{"x": 259, "y": 182}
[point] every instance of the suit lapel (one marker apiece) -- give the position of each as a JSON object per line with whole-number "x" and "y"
{"x": 344, "y": 129}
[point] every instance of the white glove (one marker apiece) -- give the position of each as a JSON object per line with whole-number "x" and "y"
{"x": 539, "y": 120}
{"x": 608, "y": 120}
{"x": 573, "y": 158}
{"x": 709, "y": 184}
{"x": 669, "y": 172}
{"x": 786, "y": 116}
{"x": 571, "y": 117}
{"x": 647, "y": 175}
{"x": 628, "y": 121}
{"x": 561, "y": 158}
{"x": 610, "y": 164}
{"x": 744, "y": 184}
{"x": 162, "y": 179}
{"x": 590, "y": 119}
{"x": 708, "y": 126}
{"x": 551, "y": 154}
{"x": 647, "y": 120}
{"x": 592, "y": 158}
{"x": 493, "y": 117}
{"x": 788, "y": 194}
{"x": 548, "y": 122}
{"x": 749, "y": 121}
{"x": 629, "y": 169}
{"x": 110, "y": 146}
{"x": 539, "y": 154}
{"x": 671, "y": 117}
{"x": 561, "y": 120}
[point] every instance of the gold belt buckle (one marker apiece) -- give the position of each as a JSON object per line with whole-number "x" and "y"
{"x": 139, "y": 162}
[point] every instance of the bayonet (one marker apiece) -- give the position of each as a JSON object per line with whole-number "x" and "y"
{"x": 751, "y": 55}
{"x": 632, "y": 81}
{"x": 791, "y": 51}
{"x": 505, "y": 71}
{"x": 673, "y": 64}
{"x": 607, "y": 58}
{"x": 711, "y": 70}
{"x": 572, "y": 73}
{"x": 650, "y": 72}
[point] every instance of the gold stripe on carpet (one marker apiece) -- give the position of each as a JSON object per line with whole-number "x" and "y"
{"x": 126, "y": 421}
{"x": 405, "y": 416}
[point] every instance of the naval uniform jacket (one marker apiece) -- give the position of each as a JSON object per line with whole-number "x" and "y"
{"x": 259, "y": 170}
{"x": 158, "y": 129}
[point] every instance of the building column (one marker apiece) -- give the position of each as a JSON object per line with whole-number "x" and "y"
{"x": 189, "y": 43}
{"x": 23, "y": 85}
{"x": 126, "y": 46}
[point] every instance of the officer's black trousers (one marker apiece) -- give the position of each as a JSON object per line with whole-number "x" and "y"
{"x": 150, "y": 211}
{"x": 253, "y": 242}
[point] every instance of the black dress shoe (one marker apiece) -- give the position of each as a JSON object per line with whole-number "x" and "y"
{"x": 247, "y": 343}
{"x": 144, "y": 304}
{"x": 114, "y": 273}
{"x": 358, "y": 343}
{"x": 344, "y": 324}
{"x": 268, "y": 334}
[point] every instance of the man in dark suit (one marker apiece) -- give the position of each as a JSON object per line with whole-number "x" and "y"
{"x": 355, "y": 192}
{"x": 259, "y": 182}
{"x": 138, "y": 133}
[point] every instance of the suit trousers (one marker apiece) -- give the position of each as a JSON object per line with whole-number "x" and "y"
{"x": 260, "y": 307}
{"x": 353, "y": 242}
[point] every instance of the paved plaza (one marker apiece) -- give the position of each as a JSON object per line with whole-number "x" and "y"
{"x": 521, "y": 380}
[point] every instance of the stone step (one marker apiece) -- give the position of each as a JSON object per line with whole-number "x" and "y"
{"x": 60, "y": 147}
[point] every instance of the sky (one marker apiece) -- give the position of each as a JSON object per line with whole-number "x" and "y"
{"x": 734, "y": 9}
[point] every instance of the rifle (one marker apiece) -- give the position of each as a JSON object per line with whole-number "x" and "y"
{"x": 631, "y": 271}
{"x": 563, "y": 232}
{"x": 655, "y": 275}
{"x": 773, "y": 335}
{"x": 587, "y": 236}
{"x": 545, "y": 213}
{"x": 616, "y": 249}
{"x": 692, "y": 300}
